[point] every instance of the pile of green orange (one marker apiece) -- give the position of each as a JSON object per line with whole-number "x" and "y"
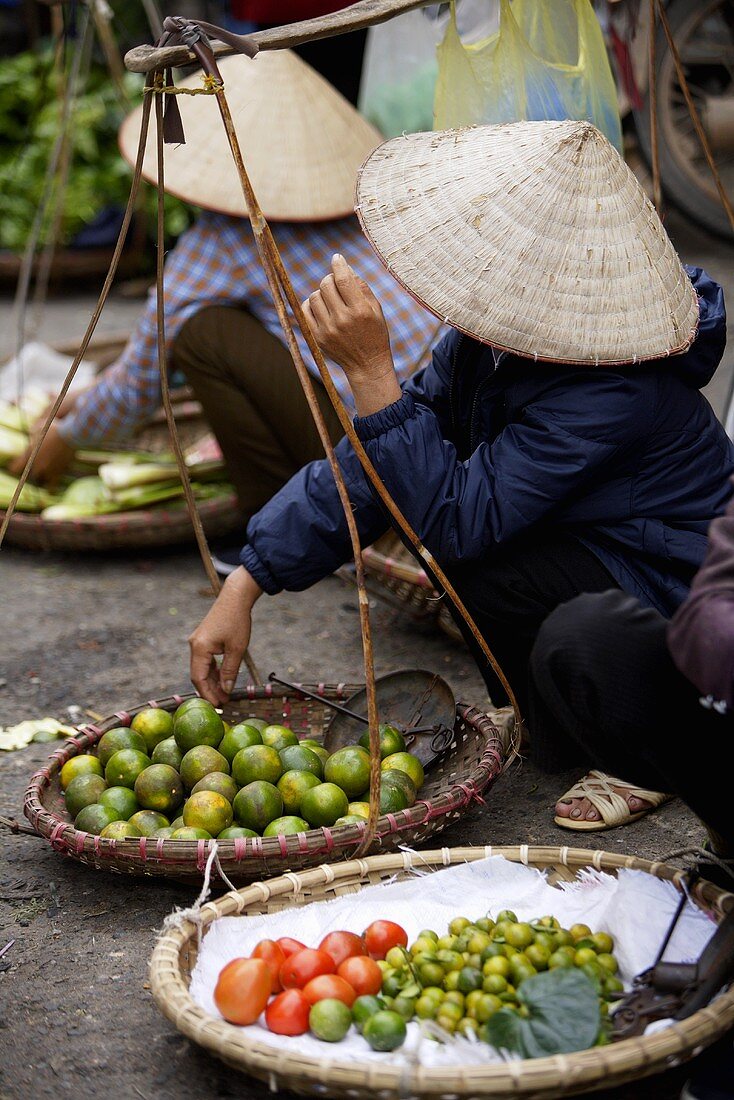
{"x": 191, "y": 776}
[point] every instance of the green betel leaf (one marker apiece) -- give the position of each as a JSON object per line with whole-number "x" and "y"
{"x": 563, "y": 1016}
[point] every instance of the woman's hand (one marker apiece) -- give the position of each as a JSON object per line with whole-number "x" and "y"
{"x": 51, "y": 462}
{"x": 349, "y": 325}
{"x": 224, "y": 631}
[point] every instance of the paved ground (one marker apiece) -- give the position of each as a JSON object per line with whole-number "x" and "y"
{"x": 105, "y": 632}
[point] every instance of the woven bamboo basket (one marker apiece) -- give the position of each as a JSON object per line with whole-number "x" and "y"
{"x": 474, "y": 761}
{"x": 399, "y": 580}
{"x": 165, "y": 524}
{"x": 601, "y": 1067}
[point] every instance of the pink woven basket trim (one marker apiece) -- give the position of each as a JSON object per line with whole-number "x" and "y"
{"x": 57, "y": 840}
{"x": 393, "y": 822}
{"x": 143, "y": 847}
{"x": 124, "y": 717}
{"x": 201, "y": 855}
{"x": 152, "y": 703}
{"x": 97, "y": 845}
{"x": 283, "y": 845}
{"x": 159, "y": 847}
{"x": 329, "y": 839}
{"x": 91, "y": 729}
{"x": 302, "y": 843}
{"x": 42, "y": 777}
{"x": 79, "y": 842}
{"x": 240, "y": 848}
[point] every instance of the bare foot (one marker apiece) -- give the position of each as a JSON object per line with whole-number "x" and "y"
{"x": 580, "y": 809}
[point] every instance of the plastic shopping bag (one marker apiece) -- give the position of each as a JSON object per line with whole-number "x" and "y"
{"x": 547, "y": 61}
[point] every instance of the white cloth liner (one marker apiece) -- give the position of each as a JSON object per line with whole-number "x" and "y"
{"x": 634, "y": 907}
{"x": 42, "y": 368}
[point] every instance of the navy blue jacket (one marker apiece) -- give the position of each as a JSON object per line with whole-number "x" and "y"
{"x": 630, "y": 460}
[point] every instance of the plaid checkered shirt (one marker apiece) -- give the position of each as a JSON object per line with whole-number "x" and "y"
{"x": 215, "y": 262}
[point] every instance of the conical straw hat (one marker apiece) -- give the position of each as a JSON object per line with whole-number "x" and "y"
{"x": 534, "y": 237}
{"x": 302, "y": 142}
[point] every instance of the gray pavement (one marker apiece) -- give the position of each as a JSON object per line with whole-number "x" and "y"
{"x": 105, "y": 632}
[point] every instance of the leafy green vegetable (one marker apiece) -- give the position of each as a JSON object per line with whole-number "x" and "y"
{"x": 563, "y": 1016}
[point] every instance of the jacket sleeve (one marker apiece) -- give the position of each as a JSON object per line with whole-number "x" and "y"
{"x": 701, "y": 633}
{"x": 704, "y": 355}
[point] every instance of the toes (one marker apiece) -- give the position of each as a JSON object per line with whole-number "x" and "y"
{"x": 563, "y": 809}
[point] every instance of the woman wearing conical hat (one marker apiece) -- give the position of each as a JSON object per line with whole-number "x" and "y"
{"x": 557, "y": 444}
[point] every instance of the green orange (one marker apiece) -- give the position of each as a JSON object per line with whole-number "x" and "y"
{"x": 349, "y": 768}
{"x": 286, "y": 826}
{"x": 198, "y": 725}
{"x": 293, "y": 785}
{"x": 397, "y": 778}
{"x": 200, "y": 761}
{"x": 360, "y": 809}
{"x": 119, "y": 738}
{"x": 300, "y": 758}
{"x": 241, "y": 736}
{"x": 323, "y": 805}
{"x": 124, "y": 767}
{"x": 120, "y": 830}
{"x": 392, "y": 799}
{"x": 149, "y": 821}
{"x": 217, "y": 781}
{"x": 259, "y": 762}
{"x": 154, "y": 725}
{"x": 236, "y": 831}
{"x": 167, "y": 752}
{"x": 164, "y": 834}
{"x": 258, "y": 723}
{"x": 257, "y": 804}
{"x": 350, "y": 819}
{"x": 93, "y": 818}
{"x": 121, "y": 799}
{"x": 83, "y": 791}
{"x": 159, "y": 787}
{"x": 278, "y": 737}
{"x": 391, "y": 741}
{"x": 190, "y": 833}
{"x": 207, "y": 810}
{"x": 406, "y": 762}
{"x": 79, "y": 765}
{"x": 316, "y": 747}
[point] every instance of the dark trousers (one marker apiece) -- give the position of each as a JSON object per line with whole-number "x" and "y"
{"x": 247, "y": 385}
{"x": 604, "y": 683}
{"x": 510, "y": 594}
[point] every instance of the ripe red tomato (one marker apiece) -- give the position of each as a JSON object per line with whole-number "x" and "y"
{"x": 329, "y": 986}
{"x": 287, "y": 1014}
{"x": 305, "y": 965}
{"x": 290, "y": 946}
{"x": 242, "y": 990}
{"x": 341, "y": 946}
{"x": 363, "y": 974}
{"x": 382, "y": 935}
{"x": 273, "y": 954}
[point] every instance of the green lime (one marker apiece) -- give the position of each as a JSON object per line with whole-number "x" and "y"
{"x": 292, "y": 786}
{"x": 391, "y": 741}
{"x": 120, "y": 830}
{"x": 92, "y": 819}
{"x": 124, "y": 767}
{"x": 385, "y": 1030}
{"x": 364, "y": 1007}
{"x": 359, "y": 809}
{"x": 300, "y": 758}
{"x": 121, "y": 799}
{"x": 349, "y": 768}
{"x": 278, "y": 737}
{"x": 154, "y": 725}
{"x": 397, "y": 778}
{"x": 392, "y": 799}
{"x": 324, "y": 804}
{"x": 257, "y": 762}
{"x": 199, "y": 725}
{"x": 188, "y": 833}
{"x": 257, "y": 804}
{"x": 217, "y": 781}
{"x": 159, "y": 787}
{"x": 207, "y": 810}
{"x": 167, "y": 752}
{"x": 79, "y": 765}
{"x": 200, "y": 761}
{"x": 405, "y": 762}
{"x": 241, "y": 736}
{"x": 149, "y": 821}
{"x": 83, "y": 791}
{"x": 286, "y": 826}
{"x": 235, "y": 831}
{"x": 119, "y": 738}
{"x": 329, "y": 1020}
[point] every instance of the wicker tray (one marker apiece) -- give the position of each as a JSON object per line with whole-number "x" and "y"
{"x": 399, "y": 579}
{"x": 601, "y": 1067}
{"x": 474, "y": 762}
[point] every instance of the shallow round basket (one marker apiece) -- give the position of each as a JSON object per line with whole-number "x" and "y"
{"x": 567, "y": 1075}
{"x": 474, "y": 760}
{"x": 399, "y": 579}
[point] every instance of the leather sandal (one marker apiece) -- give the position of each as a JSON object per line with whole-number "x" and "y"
{"x": 598, "y": 788}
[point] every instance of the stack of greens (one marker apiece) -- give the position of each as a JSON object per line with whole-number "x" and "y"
{"x": 102, "y": 482}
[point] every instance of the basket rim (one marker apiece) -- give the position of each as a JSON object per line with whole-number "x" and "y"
{"x": 576, "y": 1072}
{"x": 249, "y": 852}
{"x": 136, "y": 517}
